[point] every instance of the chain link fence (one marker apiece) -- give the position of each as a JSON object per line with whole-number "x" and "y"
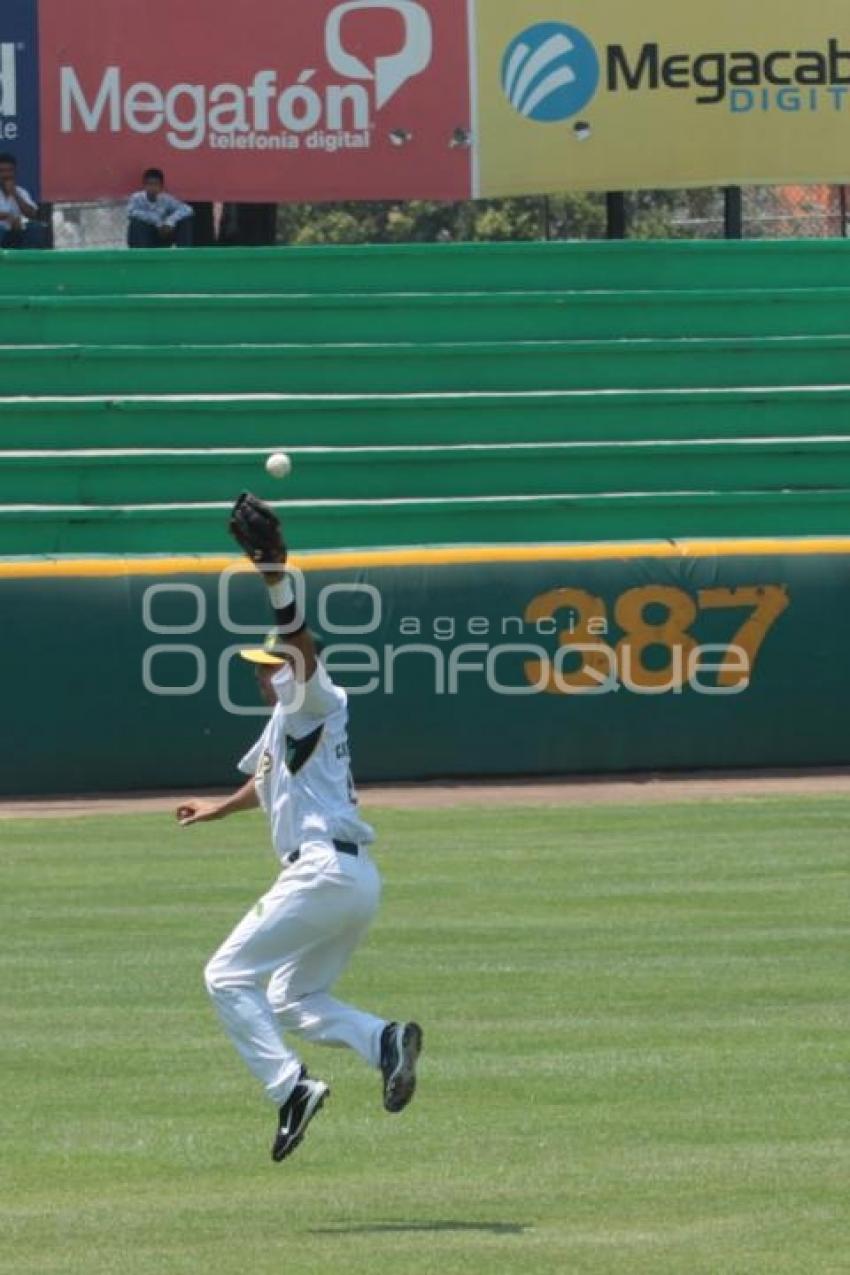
{"x": 94, "y": 225}
{"x": 768, "y": 212}
{"x": 796, "y": 212}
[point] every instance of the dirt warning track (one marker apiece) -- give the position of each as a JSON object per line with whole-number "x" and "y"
{"x": 626, "y": 790}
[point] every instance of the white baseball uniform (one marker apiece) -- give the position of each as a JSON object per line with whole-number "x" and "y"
{"x": 278, "y": 965}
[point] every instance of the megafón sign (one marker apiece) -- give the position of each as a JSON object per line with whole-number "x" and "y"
{"x": 318, "y": 99}
{"x": 19, "y": 88}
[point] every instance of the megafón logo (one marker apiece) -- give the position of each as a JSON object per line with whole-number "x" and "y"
{"x": 271, "y": 112}
{"x": 8, "y": 91}
{"x": 550, "y": 72}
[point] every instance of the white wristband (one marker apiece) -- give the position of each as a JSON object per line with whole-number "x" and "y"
{"x": 282, "y": 594}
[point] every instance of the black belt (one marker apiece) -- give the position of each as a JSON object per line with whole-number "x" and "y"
{"x": 342, "y": 847}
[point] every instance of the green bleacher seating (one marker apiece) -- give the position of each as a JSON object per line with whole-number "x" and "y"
{"x": 416, "y": 369}
{"x": 329, "y": 420}
{"x": 519, "y": 393}
{"x": 424, "y": 319}
{"x": 505, "y": 267}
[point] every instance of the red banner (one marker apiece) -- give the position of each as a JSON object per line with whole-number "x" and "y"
{"x": 306, "y": 100}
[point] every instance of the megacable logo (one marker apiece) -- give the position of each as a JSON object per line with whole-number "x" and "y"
{"x": 550, "y": 72}
{"x": 742, "y": 80}
{"x": 267, "y": 112}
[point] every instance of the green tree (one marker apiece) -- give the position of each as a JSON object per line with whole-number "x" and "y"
{"x": 652, "y": 214}
{"x": 428, "y": 221}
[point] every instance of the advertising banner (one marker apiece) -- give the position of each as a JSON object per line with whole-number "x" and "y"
{"x": 574, "y": 94}
{"x": 286, "y": 101}
{"x": 440, "y": 99}
{"x": 19, "y": 125}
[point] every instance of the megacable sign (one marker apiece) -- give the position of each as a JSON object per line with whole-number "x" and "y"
{"x": 578, "y": 95}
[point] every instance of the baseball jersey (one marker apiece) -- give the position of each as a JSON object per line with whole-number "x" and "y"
{"x": 301, "y": 765}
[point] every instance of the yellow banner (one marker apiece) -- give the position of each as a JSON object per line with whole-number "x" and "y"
{"x": 623, "y": 94}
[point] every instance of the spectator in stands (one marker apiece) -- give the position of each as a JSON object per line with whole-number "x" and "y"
{"x": 18, "y": 210}
{"x": 156, "y": 219}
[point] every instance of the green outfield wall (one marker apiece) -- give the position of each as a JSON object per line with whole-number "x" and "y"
{"x": 491, "y": 661}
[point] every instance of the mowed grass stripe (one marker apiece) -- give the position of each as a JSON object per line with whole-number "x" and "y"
{"x": 636, "y": 1049}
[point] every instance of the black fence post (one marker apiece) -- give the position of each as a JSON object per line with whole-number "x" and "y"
{"x": 546, "y": 217}
{"x": 248, "y": 225}
{"x": 733, "y": 199}
{"x": 203, "y": 226}
{"x": 842, "y": 206}
{"x": 616, "y": 208}
{"x": 45, "y": 215}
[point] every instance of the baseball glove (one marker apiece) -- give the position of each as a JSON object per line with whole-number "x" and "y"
{"x": 257, "y": 530}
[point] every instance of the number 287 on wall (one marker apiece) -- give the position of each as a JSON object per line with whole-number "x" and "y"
{"x": 658, "y": 652}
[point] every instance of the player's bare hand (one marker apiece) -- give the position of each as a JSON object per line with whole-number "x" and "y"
{"x": 197, "y": 811}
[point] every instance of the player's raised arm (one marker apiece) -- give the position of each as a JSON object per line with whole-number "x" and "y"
{"x": 257, "y": 530}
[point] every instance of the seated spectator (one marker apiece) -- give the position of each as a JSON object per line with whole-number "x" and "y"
{"x": 18, "y": 229}
{"x": 156, "y": 219}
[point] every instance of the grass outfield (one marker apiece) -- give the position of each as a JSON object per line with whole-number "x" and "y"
{"x": 636, "y": 1050}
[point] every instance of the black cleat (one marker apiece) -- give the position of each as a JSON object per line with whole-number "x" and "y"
{"x": 401, "y": 1045}
{"x": 296, "y": 1113}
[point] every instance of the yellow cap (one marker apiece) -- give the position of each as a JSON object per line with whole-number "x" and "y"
{"x": 272, "y": 652}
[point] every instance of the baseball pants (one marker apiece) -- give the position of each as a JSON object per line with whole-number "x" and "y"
{"x": 275, "y": 971}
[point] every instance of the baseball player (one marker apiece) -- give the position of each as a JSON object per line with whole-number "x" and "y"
{"x": 275, "y": 972}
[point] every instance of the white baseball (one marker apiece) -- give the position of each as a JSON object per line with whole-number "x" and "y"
{"x": 279, "y": 465}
